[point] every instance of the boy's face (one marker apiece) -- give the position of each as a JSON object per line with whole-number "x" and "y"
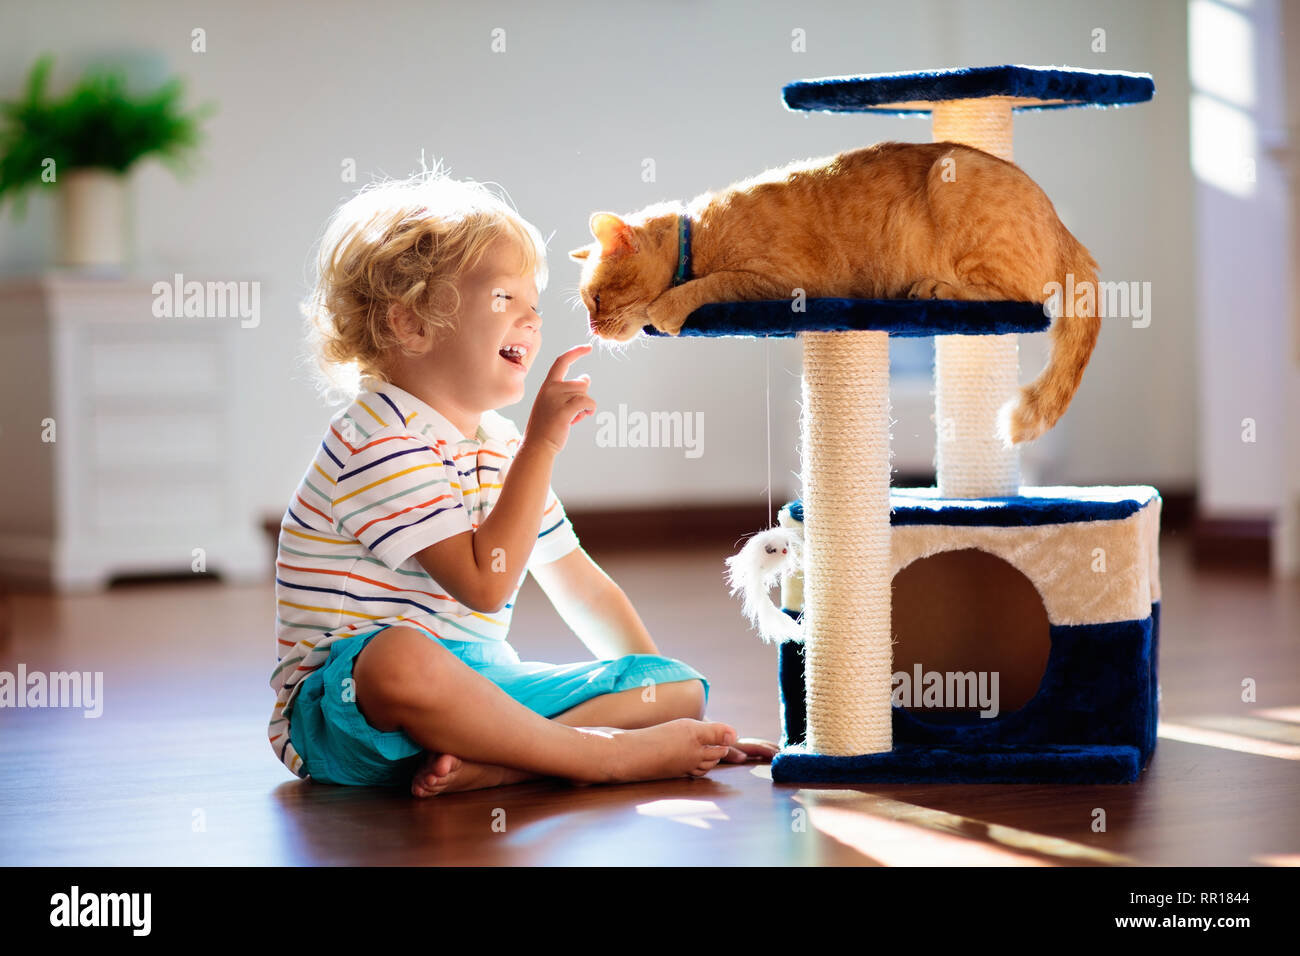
{"x": 498, "y": 308}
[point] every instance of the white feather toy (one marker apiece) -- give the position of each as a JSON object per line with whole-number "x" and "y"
{"x": 755, "y": 569}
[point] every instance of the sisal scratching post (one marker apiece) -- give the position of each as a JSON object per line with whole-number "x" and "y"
{"x": 974, "y": 375}
{"x": 847, "y": 571}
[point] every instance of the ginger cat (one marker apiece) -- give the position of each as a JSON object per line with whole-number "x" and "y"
{"x": 893, "y": 220}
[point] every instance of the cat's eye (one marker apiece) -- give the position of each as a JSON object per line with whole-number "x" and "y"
{"x": 596, "y": 298}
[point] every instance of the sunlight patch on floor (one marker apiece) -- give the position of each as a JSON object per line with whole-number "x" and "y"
{"x": 1254, "y": 727}
{"x": 1290, "y": 715}
{"x": 895, "y": 833}
{"x": 693, "y": 813}
{"x": 1225, "y": 740}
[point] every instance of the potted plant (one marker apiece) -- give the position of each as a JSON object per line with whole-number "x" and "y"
{"x": 83, "y": 145}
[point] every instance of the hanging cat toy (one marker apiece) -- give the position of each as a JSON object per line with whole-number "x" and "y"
{"x": 766, "y": 558}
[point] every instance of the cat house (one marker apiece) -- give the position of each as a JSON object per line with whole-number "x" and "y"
{"x": 1056, "y": 591}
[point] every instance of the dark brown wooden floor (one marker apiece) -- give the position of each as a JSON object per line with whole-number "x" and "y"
{"x": 182, "y": 740}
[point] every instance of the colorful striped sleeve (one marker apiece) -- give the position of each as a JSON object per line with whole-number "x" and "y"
{"x": 397, "y": 494}
{"x": 556, "y": 537}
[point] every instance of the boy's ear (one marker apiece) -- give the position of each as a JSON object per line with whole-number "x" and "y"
{"x": 404, "y": 325}
{"x": 580, "y": 254}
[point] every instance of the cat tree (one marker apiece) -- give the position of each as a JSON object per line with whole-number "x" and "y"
{"x": 1092, "y": 718}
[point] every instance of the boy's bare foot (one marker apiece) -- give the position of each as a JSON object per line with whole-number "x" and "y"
{"x": 682, "y": 747}
{"x": 751, "y": 748}
{"x": 672, "y": 749}
{"x": 447, "y": 773}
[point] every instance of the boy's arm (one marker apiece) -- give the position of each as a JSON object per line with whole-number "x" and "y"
{"x": 481, "y": 568}
{"x": 495, "y": 557}
{"x": 594, "y": 606}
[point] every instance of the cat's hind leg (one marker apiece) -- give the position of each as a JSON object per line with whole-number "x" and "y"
{"x": 980, "y": 277}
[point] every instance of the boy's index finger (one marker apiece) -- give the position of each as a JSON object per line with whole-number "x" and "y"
{"x": 566, "y": 359}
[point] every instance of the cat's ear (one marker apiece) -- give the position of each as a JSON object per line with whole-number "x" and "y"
{"x": 580, "y": 254}
{"x": 615, "y": 236}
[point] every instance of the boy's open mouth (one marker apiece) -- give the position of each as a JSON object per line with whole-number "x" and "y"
{"x": 513, "y": 354}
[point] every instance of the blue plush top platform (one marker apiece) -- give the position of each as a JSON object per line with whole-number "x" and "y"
{"x": 912, "y": 94}
{"x": 900, "y": 317}
{"x": 1033, "y": 506}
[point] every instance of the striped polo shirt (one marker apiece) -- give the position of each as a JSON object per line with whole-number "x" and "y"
{"x": 391, "y": 477}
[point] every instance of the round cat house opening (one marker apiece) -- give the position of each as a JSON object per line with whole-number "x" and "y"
{"x": 971, "y": 637}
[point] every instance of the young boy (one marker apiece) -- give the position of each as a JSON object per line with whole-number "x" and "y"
{"x": 405, "y": 545}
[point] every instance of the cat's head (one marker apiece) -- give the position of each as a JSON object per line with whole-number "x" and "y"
{"x": 619, "y": 278}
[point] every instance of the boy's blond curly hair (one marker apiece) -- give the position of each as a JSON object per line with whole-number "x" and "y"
{"x": 404, "y": 242}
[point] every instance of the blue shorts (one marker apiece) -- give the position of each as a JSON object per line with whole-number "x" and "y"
{"x": 338, "y": 745}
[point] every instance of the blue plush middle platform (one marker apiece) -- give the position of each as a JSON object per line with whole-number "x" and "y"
{"x": 899, "y": 317}
{"x": 1033, "y": 506}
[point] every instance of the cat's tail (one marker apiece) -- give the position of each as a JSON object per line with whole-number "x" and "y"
{"x": 1043, "y": 401}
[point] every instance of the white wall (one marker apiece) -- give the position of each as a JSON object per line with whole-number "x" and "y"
{"x": 563, "y": 119}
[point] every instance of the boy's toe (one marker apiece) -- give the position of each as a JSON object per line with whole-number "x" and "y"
{"x": 433, "y": 776}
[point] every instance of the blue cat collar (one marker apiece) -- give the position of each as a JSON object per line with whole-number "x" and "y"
{"x": 683, "y": 273}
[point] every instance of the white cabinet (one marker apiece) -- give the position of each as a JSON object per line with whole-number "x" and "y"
{"x": 143, "y": 474}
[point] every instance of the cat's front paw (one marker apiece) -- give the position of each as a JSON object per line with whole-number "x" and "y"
{"x": 664, "y": 318}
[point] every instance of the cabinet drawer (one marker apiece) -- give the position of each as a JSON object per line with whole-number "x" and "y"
{"x": 155, "y": 368}
{"x": 180, "y": 508}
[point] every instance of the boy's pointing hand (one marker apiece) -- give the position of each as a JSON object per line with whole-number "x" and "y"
{"x": 561, "y": 402}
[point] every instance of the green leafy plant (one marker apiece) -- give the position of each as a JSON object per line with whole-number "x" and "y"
{"x": 97, "y": 124}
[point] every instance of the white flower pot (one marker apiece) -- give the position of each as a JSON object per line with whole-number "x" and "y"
{"x": 92, "y": 219}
